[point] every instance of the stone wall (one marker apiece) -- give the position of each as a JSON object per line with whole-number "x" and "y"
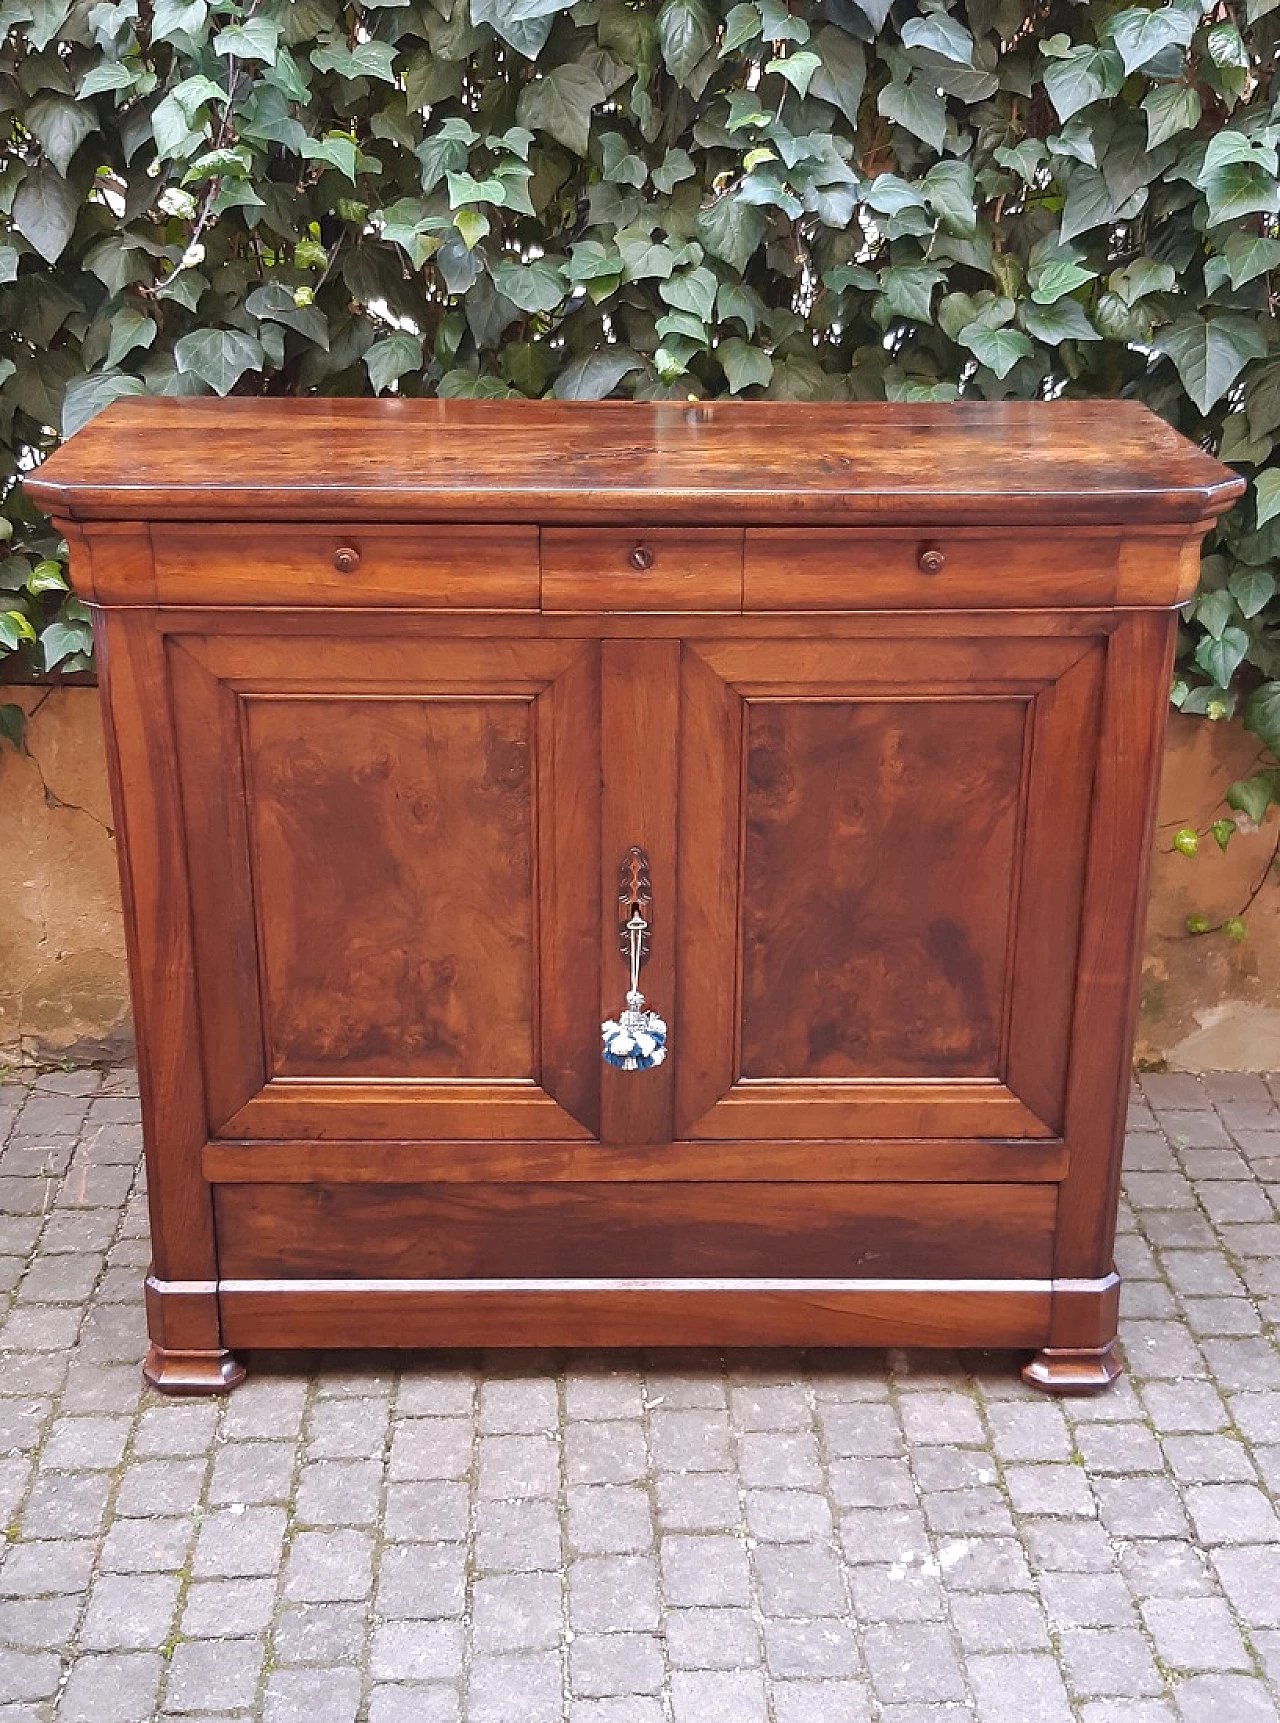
{"x": 1206, "y": 1003}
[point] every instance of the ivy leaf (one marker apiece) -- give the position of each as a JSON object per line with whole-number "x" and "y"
{"x": 61, "y": 639}
{"x": 686, "y": 35}
{"x": 1144, "y": 275}
{"x": 536, "y": 286}
{"x": 560, "y": 104}
{"x": 941, "y": 33}
{"x": 1057, "y": 278}
{"x": 219, "y": 357}
{"x": 908, "y": 288}
{"x": 744, "y": 366}
{"x": 178, "y": 18}
{"x": 1065, "y": 320}
{"x": 336, "y": 150}
{"x": 130, "y": 328}
{"x": 61, "y": 126}
{"x": 1221, "y": 658}
{"x": 1140, "y": 35}
{"x": 595, "y": 375}
{"x": 1215, "y": 610}
{"x": 693, "y": 291}
{"x": 47, "y": 576}
{"x": 1210, "y": 353}
{"x": 731, "y": 231}
{"x": 1253, "y": 589}
{"x": 1262, "y": 715}
{"x": 1170, "y": 109}
{"x": 1249, "y": 255}
{"x": 1082, "y": 76}
{"x": 389, "y": 359}
{"x": 13, "y": 721}
{"x": 15, "y": 628}
{"x": 45, "y": 211}
{"x": 364, "y": 60}
{"x": 949, "y": 191}
{"x": 842, "y": 74}
{"x": 1253, "y": 796}
{"x": 916, "y": 107}
{"x": 254, "y": 39}
{"x": 1089, "y": 203}
{"x": 998, "y": 349}
{"x": 1266, "y": 489}
{"x": 111, "y": 75}
{"x": 87, "y": 396}
{"x": 1238, "y": 178}
{"x": 797, "y": 69}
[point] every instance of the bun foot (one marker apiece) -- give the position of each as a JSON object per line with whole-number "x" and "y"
{"x": 192, "y": 1372}
{"x": 1067, "y": 1370}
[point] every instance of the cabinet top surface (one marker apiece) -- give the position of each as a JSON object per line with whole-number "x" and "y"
{"x": 1054, "y": 463}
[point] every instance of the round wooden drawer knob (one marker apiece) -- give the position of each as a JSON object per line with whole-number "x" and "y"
{"x": 931, "y": 560}
{"x": 641, "y": 558}
{"x": 346, "y": 559}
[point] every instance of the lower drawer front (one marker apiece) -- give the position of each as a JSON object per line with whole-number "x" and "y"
{"x": 612, "y": 1231}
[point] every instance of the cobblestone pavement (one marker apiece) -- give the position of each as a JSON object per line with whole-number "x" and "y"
{"x": 823, "y": 1538}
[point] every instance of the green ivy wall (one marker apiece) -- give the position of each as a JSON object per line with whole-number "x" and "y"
{"x": 840, "y": 199}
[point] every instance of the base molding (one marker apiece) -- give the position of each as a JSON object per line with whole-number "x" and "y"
{"x": 1073, "y": 1370}
{"x": 172, "y": 1372}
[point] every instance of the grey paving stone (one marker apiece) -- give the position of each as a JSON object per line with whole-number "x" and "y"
{"x": 1019, "y": 1689}
{"x": 1224, "y": 1699}
{"x": 516, "y": 1612}
{"x": 417, "y": 1651}
{"x": 690, "y": 1440}
{"x": 312, "y": 1696}
{"x": 116, "y": 1689}
{"x": 518, "y": 1467}
{"x": 518, "y": 1404}
{"x": 613, "y": 1594}
{"x": 610, "y": 1452}
{"x": 426, "y": 1512}
{"x": 147, "y": 1546}
{"x": 1195, "y": 1633}
{"x": 1109, "y": 1663}
{"x": 609, "y": 1519}
{"x": 339, "y": 1493}
{"x": 788, "y": 1516}
{"x": 1005, "y": 1623}
{"x": 414, "y": 1703}
{"x": 233, "y": 1545}
{"x": 227, "y": 1608}
{"x": 698, "y": 1502}
{"x": 52, "y": 1567}
{"x": 253, "y": 1473}
{"x": 711, "y": 1570}
{"x": 324, "y": 1633}
{"x": 129, "y": 1612}
{"x": 1232, "y": 1514}
{"x": 1251, "y": 1580}
{"x": 422, "y": 1582}
{"x": 518, "y": 1537}
{"x": 821, "y": 1702}
{"x": 28, "y": 1675}
{"x": 529, "y": 1688}
{"x": 213, "y": 1675}
{"x": 800, "y": 1580}
{"x": 913, "y": 1662}
{"x": 329, "y": 1566}
{"x": 431, "y": 1448}
{"x": 729, "y": 1696}
{"x": 711, "y": 1638}
{"x": 616, "y": 1665}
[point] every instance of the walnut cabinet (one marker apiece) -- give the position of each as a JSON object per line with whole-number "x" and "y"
{"x": 392, "y": 689}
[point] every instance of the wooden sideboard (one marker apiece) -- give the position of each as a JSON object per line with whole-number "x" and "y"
{"x": 394, "y": 689}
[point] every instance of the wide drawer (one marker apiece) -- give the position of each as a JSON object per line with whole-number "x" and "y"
{"x": 516, "y": 1231}
{"x": 445, "y": 567}
{"x": 616, "y": 569}
{"x": 834, "y": 569}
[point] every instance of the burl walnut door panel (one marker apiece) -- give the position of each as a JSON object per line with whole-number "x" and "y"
{"x": 881, "y": 869}
{"x": 394, "y": 855}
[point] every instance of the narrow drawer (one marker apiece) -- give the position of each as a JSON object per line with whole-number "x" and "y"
{"x": 835, "y": 569}
{"x": 446, "y": 567}
{"x": 620, "y": 569}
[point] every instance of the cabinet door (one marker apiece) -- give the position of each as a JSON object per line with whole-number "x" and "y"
{"x": 394, "y": 856}
{"x": 881, "y": 870}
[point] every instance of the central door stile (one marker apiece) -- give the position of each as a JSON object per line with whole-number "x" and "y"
{"x": 640, "y": 728}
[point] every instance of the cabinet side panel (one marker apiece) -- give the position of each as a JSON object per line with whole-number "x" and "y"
{"x": 144, "y": 788}
{"x": 1135, "y": 705}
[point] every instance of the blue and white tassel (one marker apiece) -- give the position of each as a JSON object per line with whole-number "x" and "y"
{"x": 637, "y": 1040}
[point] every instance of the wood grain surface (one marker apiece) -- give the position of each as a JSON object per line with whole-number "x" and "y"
{"x": 1064, "y": 462}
